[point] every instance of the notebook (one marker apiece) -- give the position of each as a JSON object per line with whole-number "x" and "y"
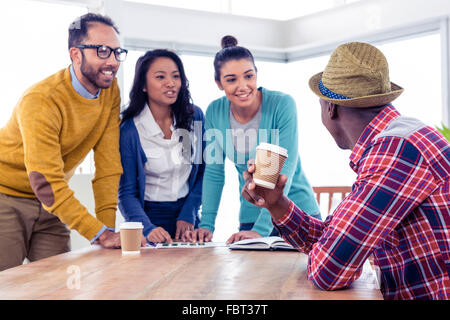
{"x": 264, "y": 243}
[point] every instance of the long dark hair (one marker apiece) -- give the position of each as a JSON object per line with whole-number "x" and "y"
{"x": 230, "y": 51}
{"x": 182, "y": 109}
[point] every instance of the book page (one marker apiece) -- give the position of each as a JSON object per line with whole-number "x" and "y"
{"x": 256, "y": 243}
{"x": 273, "y": 242}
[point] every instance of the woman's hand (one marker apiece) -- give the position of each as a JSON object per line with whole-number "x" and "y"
{"x": 159, "y": 235}
{"x": 182, "y": 228}
{"x": 143, "y": 241}
{"x": 198, "y": 235}
{"x": 241, "y": 235}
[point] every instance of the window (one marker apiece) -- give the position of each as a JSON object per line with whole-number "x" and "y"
{"x": 128, "y": 74}
{"x": 322, "y": 160}
{"x": 415, "y": 65}
{"x": 34, "y": 46}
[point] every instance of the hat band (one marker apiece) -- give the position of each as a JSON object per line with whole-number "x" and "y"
{"x": 330, "y": 94}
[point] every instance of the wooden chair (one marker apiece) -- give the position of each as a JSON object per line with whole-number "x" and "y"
{"x": 331, "y": 190}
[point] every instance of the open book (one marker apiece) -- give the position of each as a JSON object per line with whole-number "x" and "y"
{"x": 265, "y": 243}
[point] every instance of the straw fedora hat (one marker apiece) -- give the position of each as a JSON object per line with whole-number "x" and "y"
{"x": 357, "y": 75}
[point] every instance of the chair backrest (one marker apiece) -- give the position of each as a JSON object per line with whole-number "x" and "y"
{"x": 331, "y": 190}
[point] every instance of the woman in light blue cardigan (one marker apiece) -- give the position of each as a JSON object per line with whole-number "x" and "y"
{"x": 235, "y": 125}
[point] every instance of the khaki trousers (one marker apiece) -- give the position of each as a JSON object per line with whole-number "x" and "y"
{"x": 29, "y": 231}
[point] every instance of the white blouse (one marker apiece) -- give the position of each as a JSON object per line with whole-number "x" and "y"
{"x": 168, "y": 165}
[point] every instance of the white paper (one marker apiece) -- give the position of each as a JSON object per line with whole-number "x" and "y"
{"x": 186, "y": 245}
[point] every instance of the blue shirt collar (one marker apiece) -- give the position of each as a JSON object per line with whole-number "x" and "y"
{"x": 79, "y": 88}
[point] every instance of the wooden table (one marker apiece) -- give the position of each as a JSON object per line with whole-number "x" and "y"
{"x": 178, "y": 273}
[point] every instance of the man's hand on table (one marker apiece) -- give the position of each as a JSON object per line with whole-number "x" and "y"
{"x": 111, "y": 240}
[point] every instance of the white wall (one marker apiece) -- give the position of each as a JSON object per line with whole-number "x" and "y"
{"x": 81, "y": 185}
{"x": 199, "y": 28}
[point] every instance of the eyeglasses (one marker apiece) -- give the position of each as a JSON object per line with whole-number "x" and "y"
{"x": 103, "y": 52}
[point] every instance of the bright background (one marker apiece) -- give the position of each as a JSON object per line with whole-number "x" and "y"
{"x": 34, "y": 45}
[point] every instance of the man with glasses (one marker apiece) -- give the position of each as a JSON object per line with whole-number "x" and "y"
{"x": 53, "y": 127}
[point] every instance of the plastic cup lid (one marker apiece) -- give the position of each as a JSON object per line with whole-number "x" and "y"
{"x": 131, "y": 225}
{"x": 272, "y": 148}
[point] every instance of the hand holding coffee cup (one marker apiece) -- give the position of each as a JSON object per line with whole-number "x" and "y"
{"x": 270, "y": 159}
{"x": 272, "y": 199}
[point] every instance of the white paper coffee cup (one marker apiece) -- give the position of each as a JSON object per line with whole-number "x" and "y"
{"x": 269, "y": 161}
{"x": 130, "y": 237}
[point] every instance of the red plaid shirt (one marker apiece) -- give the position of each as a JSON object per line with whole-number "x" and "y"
{"x": 398, "y": 210}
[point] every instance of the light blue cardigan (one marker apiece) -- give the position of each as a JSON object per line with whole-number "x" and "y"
{"x": 278, "y": 121}
{"x": 132, "y": 181}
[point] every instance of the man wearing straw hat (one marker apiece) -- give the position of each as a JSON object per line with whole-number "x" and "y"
{"x": 399, "y": 207}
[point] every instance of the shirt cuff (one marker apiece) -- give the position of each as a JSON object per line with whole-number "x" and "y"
{"x": 103, "y": 229}
{"x": 286, "y": 217}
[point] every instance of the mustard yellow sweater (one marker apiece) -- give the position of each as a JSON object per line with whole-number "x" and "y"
{"x": 50, "y": 132}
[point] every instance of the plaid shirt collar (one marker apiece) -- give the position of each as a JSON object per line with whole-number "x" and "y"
{"x": 378, "y": 124}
